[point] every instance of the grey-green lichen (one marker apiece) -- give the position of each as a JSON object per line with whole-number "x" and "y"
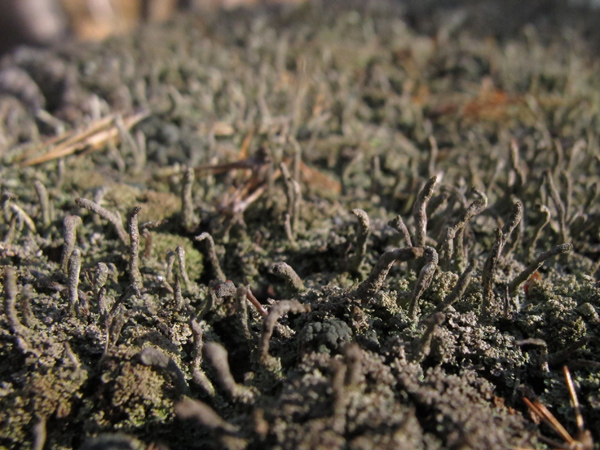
{"x": 268, "y": 134}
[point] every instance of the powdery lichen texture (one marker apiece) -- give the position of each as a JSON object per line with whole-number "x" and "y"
{"x": 359, "y": 225}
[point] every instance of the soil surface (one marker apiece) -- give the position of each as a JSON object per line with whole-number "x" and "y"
{"x": 353, "y": 225}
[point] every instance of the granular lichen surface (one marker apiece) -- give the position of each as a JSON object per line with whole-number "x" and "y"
{"x": 348, "y": 225}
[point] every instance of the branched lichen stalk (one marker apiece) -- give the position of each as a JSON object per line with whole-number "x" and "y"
{"x": 353, "y": 357}
{"x": 22, "y": 216}
{"x": 115, "y": 320}
{"x": 297, "y": 204}
{"x": 592, "y": 195}
{"x": 29, "y": 318}
{"x": 538, "y": 229}
{"x": 516, "y": 167}
{"x": 148, "y": 243}
{"x": 489, "y": 269}
{"x": 70, "y": 224}
{"x": 12, "y": 228}
{"x": 424, "y": 280}
{"x": 433, "y": 155}
{"x": 580, "y": 224}
{"x": 102, "y": 302}
{"x": 217, "y": 356}
{"x": 182, "y": 267}
{"x": 170, "y": 263}
{"x": 100, "y": 279}
{"x": 254, "y": 301}
{"x": 134, "y": 249}
{"x": 568, "y": 182}
{"x": 423, "y": 346}
{"x": 340, "y": 398}
{"x": 114, "y": 219}
{"x": 198, "y": 374}
{"x": 39, "y": 434}
{"x": 474, "y": 209}
{"x": 141, "y": 153}
{"x": 375, "y": 281}
{"x": 204, "y": 414}
{"x": 535, "y": 265}
{"x": 559, "y": 205}
{"x": 99, "y": 195}
{"x": 73, "y": 286}
{"x": 190, "y": 221}
{"x": 459, "y": 289}
{"x": 285, "y": 271}
{"x": 211, "y": 256}
{"x": 5, "y": 201}
{"x": 375, "y": 175}
{"x": 71, "y": 356}
{"x": 277, "y": 311}
{"x": 512, "y": 222}
{"x": 44, "y": 200}
{"x": 10, "y": 300}
{"x": 446, "y": 246}
{"x": 14, "y": 213}
{"x": 420, "y": 211}
{"x": 398, "y": 224}
{"x": 241, "y": 307}
{"x": 293, "y": 194}
{"x": 154, "y": 357}
{"x": 362, "y": 233}
{"x": 436, "y": 202}
{"x": 566, "y": 354}
{"x": 177, "y": 295}
{"x": 287, "y": 227}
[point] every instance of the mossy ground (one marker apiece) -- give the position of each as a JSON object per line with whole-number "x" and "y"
{"x": 364, "y": 102}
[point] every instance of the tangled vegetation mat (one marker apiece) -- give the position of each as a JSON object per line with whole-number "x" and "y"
{"x": 357, "y": 225}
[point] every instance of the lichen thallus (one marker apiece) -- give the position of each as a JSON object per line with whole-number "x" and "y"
{"x": 582, "y": 440}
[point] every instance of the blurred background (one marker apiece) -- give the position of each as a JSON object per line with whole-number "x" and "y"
{"x": 43, "y": 22}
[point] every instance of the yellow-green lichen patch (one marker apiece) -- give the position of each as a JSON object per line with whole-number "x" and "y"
{"x": 140, "y": 397}
{"x": 162, "y": 243}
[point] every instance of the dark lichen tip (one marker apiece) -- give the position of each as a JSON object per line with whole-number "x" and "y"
{"x": 113, "y": 218}
{"x": 216, "y": 354}
{"x": 398, "y": 224}
{"x": 70, "y": 224}
{"x": 211, "y": 256}
{"x": 285, "y": 271}
{"x": 536, "y": 264}
{"x": 195, "y": 409}
{"x": 73, "y": 287}
{"x": 277, "y": 311}
{"x": 375, "y": 281}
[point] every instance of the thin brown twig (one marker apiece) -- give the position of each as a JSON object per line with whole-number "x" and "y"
{"x": 95, "y": 137}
